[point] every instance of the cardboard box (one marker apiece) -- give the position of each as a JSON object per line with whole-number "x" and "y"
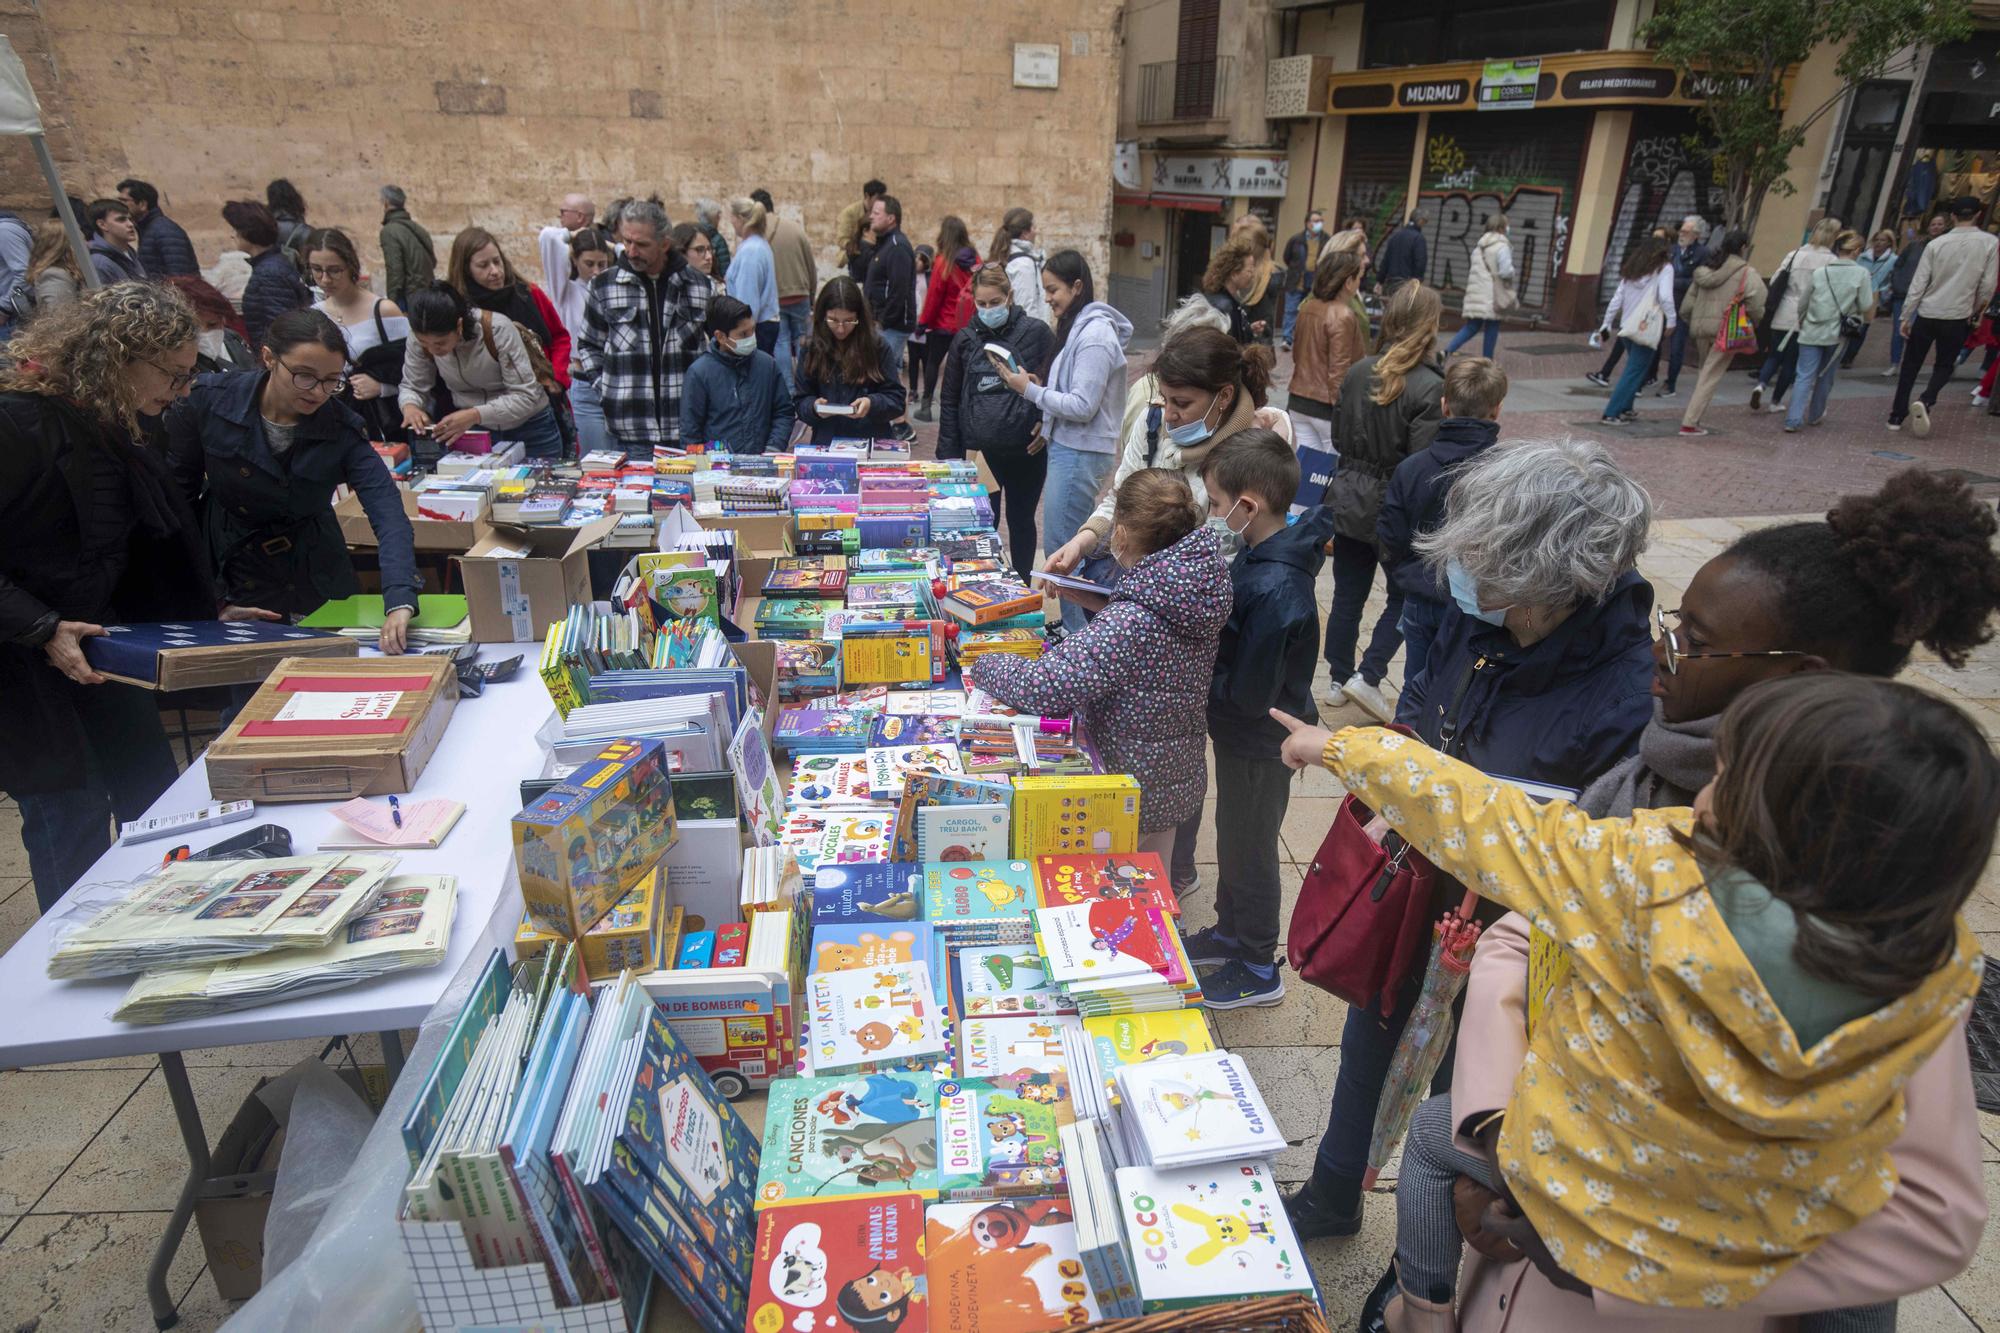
{"x": 594, "y": 836}
{"x": 520, "y": 580}
{"x": 431, "y": 534}
{"x": 760, "y": 539}
{"x": 320, "y": 730}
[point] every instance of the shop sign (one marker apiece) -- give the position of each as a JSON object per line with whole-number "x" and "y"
{"x": 1509, "y": 85}
{"x": 1432, "y": 93}
{"x": 1222, "y": 177}
{"x": 1625, "y": 84}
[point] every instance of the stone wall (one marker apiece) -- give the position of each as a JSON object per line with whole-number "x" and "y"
{"x": 490, "y": 113}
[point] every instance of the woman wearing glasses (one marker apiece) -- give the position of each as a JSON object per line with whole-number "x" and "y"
{"x": 374, "y": 327}
{"x": 263, "y": 453}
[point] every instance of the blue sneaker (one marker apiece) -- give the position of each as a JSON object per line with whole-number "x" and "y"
{"x": 1235, "y": 986}
{"x": 1206, "y": 948}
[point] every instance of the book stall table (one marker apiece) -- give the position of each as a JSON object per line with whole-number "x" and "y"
{"x": 488, "y": 747}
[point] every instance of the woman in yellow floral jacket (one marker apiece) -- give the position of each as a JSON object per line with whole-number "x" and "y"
{"x": 1714, "y": 1088}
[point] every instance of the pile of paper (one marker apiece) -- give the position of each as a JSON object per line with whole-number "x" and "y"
{"x": 1099, "y": 1047}
{"x": 205, "y": 911}
{"x": 693, "y": 727}
{"x": 409, "y": 926}
{"x": 441, "y": 619}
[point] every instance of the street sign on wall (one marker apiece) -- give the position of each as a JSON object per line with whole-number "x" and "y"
{"x": 1221, "y": 177}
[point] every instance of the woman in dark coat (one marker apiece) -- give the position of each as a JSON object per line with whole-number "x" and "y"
{"x": 262, "y": 453}
{"x": 92, "y": 532}
{"x": 843, "y": 364}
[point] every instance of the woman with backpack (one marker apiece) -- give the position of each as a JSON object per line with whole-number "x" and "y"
{"x": 1642, "y": 312}
{"x": 478, "y": 270}
{"x": 1724, "y": 284}
{"x": 377, "y": 332}
{"x": 1838, "y": 301}
{"x": 484, "y": 363}
{"x": 977, "y": 413}
{"x": 1489, "y": 289}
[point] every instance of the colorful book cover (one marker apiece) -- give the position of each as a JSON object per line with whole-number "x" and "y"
{"x": 865, "y": 891}
{"x": 889, "y": 765}
{"x": 1063, "y": 816}
{"x": 978, "y": 891}
{"x": 1001, "y": 1048}
{"x": 998, "y": 1136}
{"x": 997, "y": 981}
{"x": 1006, "y": 1267}
{"x": 961, "y": 833}
{"x": 854, "y": 835}
{"x": 903, "y": 729}
{"x": 877, "y": 1014}
{"x": 1210, "y": 1234}
{"x": 824, "y": 728}
{"x": 1062, "y": 881}
{"x": 858, "y": 1134}
{"x": 836, "y": 1265}
{"x": 844, "y": 946}
{"x": 1107, "y": 940}
{"x": 900, "y": 654}
{"x": 830, "y": 781}
{"x": 926, "y": 703}
{"x": 944, "y": 789}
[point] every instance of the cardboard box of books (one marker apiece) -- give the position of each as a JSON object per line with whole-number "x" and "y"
{"x": 433, "y": 534}
{"x": 520, "y": 580}
{"x": 594, "y": 836}
{"x": 325, "y": 730}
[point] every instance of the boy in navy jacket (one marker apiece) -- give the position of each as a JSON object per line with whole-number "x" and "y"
{"x": 1268, "y": 653}
{"x": 1474, "y": 388}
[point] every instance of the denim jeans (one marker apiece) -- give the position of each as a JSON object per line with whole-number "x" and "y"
{"x": 538, "y": 433}
{"x": 1489, "y": 329}
{"x": 1676, "y": 354}
{"x": 1781, "y": 367}
{"x": 794, "y": 327}
{"x": 1354, "y": 565}
{"x": 1817, "y": 368}
{"x": 1638, "y": 360}
{"x": 1418, "y": 626}
{"x": 1367, "y": 1045}
{"x": 1076, "y": 477}
{"x": 1293, "y": 300}
{"x": 587, "y": 409}
{"x": 898, "y": 344}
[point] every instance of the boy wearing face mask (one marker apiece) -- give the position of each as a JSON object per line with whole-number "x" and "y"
{"x": 1268, "y": 652}
{"x": 1474, "y": 388}
{"x": 735, "y": 395}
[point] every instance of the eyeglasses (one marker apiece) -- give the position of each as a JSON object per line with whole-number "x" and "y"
{"x": 306, "y": 382}
{"x": 326, "y": 270}
{"x": 176, "y": 379}
{"x": 1676, "y": 655}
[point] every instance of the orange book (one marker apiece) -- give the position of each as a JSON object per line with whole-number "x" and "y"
{"x": 984, "y": 603}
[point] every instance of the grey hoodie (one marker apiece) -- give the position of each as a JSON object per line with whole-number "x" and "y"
{"x": 1083, "y": 403}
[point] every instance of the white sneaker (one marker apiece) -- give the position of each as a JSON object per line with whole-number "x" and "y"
{"x": 1920, "y": 419}
{"x": 1335, "y": 698}
{"x": 1978, "y": 398}
{"x": 1887, "y": 371}
{"x": 1369, "y": 698}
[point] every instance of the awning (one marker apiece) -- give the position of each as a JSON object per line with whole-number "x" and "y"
{"x": 1191, "y": 203}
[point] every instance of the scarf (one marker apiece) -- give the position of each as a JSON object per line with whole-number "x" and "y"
{"x": 1675, "y": 760}
{"x": 515, "y": 303}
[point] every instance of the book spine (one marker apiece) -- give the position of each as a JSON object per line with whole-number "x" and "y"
{"x": 586, "y": 1227}
{"x": 538, "y": 1223}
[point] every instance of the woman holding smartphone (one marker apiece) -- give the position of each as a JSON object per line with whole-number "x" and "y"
{"x": 848, "y": 385}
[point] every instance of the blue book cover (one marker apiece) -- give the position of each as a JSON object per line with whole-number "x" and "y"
{"x": 134, "y": 651}
{"x": 692, "y": 1142}
{"x": 662, "y": 1239}
{"x": 866, "y": 891}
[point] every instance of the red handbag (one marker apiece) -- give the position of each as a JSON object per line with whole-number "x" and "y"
{"x": 1364, "y": 914}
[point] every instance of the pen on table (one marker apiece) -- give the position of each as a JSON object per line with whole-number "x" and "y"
{"x": 396, "y": 811}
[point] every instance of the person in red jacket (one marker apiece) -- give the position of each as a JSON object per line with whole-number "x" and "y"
{"x": 481, "y": 273}
{"x": 947, "y": 306}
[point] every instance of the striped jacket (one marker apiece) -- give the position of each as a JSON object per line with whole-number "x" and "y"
{"x": 641, "y": 387}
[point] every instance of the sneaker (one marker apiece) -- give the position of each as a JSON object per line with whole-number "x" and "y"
{"x": 1756, "y": 398}
{"x": 1625, "y": 418}
{"x": 1920, "y": 418}
{"x": 1791, "y": 428}
{"x": 1184, "y": 887}
{"x": 1206, "y": 948}
{"x": 1370, "y": 698}
{"x": 1887, "y": 371}
{"x": 1895, "y": 425}
{"x": 1312, "y": 1218}
{"x": 1978, "y": 398}
{"x": 1237, "y": 987}
{"x": 904, "y": 431}
{"x": 1601, "y": 381}
{"x": 1335, "y": 697}
{"x": 1693, "y": 430}
{"x": 1666, "y": 391}
{"x": 923, "y": 412}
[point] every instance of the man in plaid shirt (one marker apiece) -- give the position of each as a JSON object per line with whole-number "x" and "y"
{"x": 642, "y": 329}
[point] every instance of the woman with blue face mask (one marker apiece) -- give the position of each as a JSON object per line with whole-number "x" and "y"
{"x": 1541, "y": 672}
{"x": 978, "y": 413}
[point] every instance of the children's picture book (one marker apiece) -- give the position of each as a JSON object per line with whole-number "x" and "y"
{"x": 1196, "y": 1108}
{"x": 971, "y": 893}
{"x": 893, "y": 729}
{"x": 1062, "y": 881}
{"x": 1002, "y": 1048}
{"x": 757, "y": 786}
{"x": 943, "y": 789}
{"x": 845, "y": 946}
{"x": 874, "y": 1014}
{"x": 856, "y": 1134}
{"x": 853, "y": 835}
{"x": 866, "y": 891}
{"x": 835, "y": 1265}
{"x": 926, "y": 703}
{"x": 821, "y": 728}
{"x": 1210, "y": 1234}
{"x": 961, "y": 833}
{"x": 1130, "y": 1039}
{"x": 889, "y": 765}
{"x": 1108, "y": 939}
{"x": 1001, "y": 981}
{"x": 997, "y": 1136}
{"x": 1006, "y": 1267}
{"x": 831, "y": 781}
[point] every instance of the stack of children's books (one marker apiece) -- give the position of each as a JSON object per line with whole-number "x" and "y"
{"x": 1097, "y": 1048}
{"x": 1189, "y": 1109}
{"x": 1116, "y": 956}
{"x": 979, "y": 902}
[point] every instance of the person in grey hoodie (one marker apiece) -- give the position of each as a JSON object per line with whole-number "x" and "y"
{"x": 1082, "y": 398}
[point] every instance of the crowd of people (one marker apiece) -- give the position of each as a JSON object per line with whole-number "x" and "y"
{"x": 169, "y": 444}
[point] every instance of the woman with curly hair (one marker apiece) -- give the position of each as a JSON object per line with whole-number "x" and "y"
{"x": 92, "y": 533}
{"x": 1232, "y": 273}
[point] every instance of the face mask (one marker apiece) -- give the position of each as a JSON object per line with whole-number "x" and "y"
{"x": 1466, "y": 593}
{"x": 1235, "y": 531}
{"x": 745, "y": 346}
{"x": 1318, "y": 227}
{"x": 993, "y": 316}
{"x": 1194, "y": 432}
{"x": 210, "y": 344}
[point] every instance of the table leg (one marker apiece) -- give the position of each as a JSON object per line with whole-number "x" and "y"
{"x": 392, "y": 1054}
{"x": 188, "y": 1113}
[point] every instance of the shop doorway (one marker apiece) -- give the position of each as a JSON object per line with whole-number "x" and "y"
{"x": 1196, "y": 235}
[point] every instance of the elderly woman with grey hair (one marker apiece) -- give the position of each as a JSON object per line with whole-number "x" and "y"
{"x": 1541, "y": 672}
{"x": 708, "y": 217}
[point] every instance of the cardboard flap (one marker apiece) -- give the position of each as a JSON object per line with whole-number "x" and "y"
{"x": 543, "y": 543}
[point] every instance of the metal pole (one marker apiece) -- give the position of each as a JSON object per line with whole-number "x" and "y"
{"x": 77, "y": 249}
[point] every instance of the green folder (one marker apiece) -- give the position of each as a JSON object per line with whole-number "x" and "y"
{"x": 364, "y": 611}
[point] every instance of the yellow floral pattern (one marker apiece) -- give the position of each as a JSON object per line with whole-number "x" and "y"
{"x": 1667, "y": 1137}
